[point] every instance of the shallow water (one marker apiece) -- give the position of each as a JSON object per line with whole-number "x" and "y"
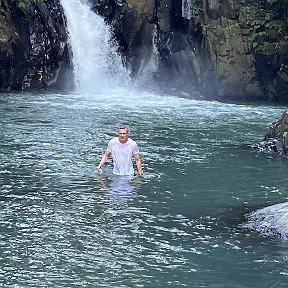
{"x": 64, "y": 225}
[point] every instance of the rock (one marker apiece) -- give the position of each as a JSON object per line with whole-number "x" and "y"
{"x": 276, "y": 139}
{"x": 35, "y": 53}
{"x": 234, "y": 73}
{"x": 226, "y": 49}
{"x": 270, "y": 221}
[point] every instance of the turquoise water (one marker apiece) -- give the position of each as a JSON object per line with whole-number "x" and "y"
{"x": 64, "y": 225}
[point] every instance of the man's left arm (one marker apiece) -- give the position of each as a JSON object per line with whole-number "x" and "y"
{"x": 139, "y": 163}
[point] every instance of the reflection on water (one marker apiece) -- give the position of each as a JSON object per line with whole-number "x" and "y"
{"x": 121, "y": 185}
{"x": 120, "y": 188}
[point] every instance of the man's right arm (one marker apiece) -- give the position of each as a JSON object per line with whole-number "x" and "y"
{"x": 103, "y": 160}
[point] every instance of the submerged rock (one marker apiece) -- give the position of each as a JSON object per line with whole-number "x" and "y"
{"x": 270, "y": 221}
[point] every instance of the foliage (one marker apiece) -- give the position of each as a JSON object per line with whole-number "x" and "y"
{"x": 22, "y": 4}
{"x": 279, "y": 6}
{"x": 265, "y": 20}
{"x": 197, "y": 7}
{"x": 5, "y": 2}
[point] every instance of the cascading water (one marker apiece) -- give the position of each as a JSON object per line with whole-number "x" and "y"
{"x": 95, "y": 59}
{"x": 187, "y": 6}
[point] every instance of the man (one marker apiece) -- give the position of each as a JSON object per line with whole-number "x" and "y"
{"x": 122, "y": 149}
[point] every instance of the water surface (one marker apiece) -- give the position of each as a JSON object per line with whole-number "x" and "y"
{"x": 64, "y": 225}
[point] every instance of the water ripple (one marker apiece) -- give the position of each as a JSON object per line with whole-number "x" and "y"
{"x": 62, "y": 225}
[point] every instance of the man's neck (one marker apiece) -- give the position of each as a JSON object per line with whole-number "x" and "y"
{"x": 122, "y": 141}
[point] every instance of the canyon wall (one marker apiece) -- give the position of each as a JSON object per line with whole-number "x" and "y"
{"x": 208, "y": 49}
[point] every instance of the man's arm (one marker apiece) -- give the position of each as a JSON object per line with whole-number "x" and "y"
{"x": 139, "y": 163}
{"x": 103, "y": 160}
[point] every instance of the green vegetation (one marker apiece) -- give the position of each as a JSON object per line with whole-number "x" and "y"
{"x": 197, "y": 8}
{"x": 279, "y": 6}
{"x": 5, "y": 2}
{"x": 22, "y": 4}
{"x": 268, "y": 17}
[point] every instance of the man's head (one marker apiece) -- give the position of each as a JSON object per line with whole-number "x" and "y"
{"x": 123, "y": 134}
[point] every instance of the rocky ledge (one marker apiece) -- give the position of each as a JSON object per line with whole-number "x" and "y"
{"x": 276, "y": 140}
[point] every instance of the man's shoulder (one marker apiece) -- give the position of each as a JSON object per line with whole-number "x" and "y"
{"x": 131, "y": 141}
{"x": 113, "y": 140}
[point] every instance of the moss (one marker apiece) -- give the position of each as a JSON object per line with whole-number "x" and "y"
{"x": 22, "y": 4}
{"x": 222, "y": 68}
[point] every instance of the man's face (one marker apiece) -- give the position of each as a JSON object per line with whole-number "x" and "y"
{"x": 123, "y": 135}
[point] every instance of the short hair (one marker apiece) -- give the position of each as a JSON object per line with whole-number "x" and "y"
{"x": 123, "y": 127}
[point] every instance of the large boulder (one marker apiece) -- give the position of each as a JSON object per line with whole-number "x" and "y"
{"x": 270, "y": 221}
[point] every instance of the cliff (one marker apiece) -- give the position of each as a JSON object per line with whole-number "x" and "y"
{"x": 228, "y": 49}
{"x": 34, "y": 53}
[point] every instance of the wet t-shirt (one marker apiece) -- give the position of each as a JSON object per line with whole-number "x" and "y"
{"x": 122, "y": 155}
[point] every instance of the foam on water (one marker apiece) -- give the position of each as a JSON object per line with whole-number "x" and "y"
{"x": 63, "y": 225}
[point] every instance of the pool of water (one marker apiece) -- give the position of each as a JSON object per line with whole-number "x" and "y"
{"x": 64, "y": 225}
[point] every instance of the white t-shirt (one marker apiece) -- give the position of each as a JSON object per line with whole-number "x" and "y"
{"x": 122, "y": 155}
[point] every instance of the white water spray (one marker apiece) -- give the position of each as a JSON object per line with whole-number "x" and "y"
{"x": 187, "y": 9}
{"x": 96, "y": 62}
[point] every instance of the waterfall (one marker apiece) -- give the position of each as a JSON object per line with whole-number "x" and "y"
{"x": 96, "y": 62}
{"x": 187, "y": 11}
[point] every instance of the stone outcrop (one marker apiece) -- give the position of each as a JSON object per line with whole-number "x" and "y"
{"x": 153, "y": 37}
{"x": 270, "y": 221}
{"x": 276, "y": 140}
{"x": 33, "y": 46}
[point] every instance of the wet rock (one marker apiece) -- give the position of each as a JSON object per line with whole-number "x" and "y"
{"x": 35, "y": 53}
{"x": 226, "y": 49}
{"x": 276, "y": 139}
{"x": 236, "y": 75}
{"x": 270, "y": 221}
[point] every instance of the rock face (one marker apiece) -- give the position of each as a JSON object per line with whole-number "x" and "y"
{"x": 221, "y": 49}
{"x": 276, "y": 140}
{"x": 212, "y": 49}
{"x": 33, "y": 46}
{"x": 270, "y": 221}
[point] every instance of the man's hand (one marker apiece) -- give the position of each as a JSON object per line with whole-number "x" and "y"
{"x": 99, "y": 169}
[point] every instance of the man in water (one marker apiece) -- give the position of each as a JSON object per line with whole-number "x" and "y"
{"x": 122, "y": 149}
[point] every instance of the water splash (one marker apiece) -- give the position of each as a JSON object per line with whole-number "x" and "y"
{"x": 96, "y": 61}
